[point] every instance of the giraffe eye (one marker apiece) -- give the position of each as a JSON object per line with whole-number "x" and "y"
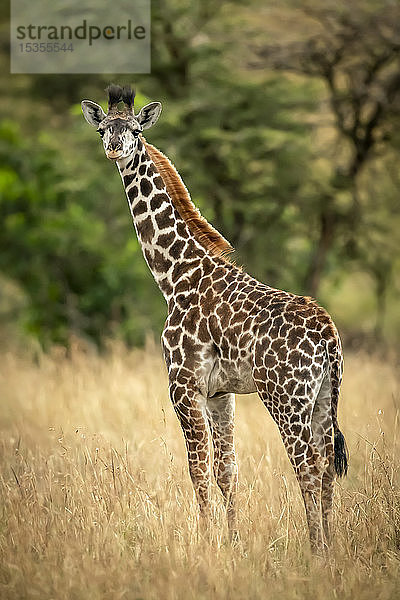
{"x": 100, "y": 132}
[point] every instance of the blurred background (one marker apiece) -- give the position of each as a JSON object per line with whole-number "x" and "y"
{"x": 283, "y": 120}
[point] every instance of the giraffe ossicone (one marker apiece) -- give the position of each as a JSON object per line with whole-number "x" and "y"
{"x": 226, "y": 332}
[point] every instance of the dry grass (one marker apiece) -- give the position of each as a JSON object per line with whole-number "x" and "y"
{"x": 96, "y": 501}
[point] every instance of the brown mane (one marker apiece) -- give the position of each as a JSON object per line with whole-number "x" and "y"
{"x": 204, "y": 233}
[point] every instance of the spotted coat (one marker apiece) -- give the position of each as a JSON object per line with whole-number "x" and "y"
{"x": 228, "y": 333}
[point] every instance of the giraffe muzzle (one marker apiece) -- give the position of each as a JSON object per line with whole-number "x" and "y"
{"x": 114, "y": 154}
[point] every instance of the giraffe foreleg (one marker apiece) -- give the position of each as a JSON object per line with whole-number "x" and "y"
{"x": 221, "y": 414}
{"x": 189, "y": 406}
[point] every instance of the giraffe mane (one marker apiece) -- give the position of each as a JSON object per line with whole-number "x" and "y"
{"x": 204, "y": 233}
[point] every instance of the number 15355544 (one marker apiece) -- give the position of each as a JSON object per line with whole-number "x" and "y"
{"x": 45, "y": 47}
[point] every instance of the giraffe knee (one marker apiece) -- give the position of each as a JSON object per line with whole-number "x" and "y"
{"x": 226, "y": 475}
{"x": 307, "y": 458}
{"x": 322, "y": 462}
{"x": 225, "y": 470}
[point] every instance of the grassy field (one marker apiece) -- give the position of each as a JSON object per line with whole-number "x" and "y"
{"x": 96, "y": 501}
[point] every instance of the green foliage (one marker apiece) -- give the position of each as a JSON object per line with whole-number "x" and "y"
{"x": 79, "y": 266}
{"x": 258, "y": 149}
{"x": 244, "y": 151}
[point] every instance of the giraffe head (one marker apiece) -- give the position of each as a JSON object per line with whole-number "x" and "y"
{"x": 120, "y": 129}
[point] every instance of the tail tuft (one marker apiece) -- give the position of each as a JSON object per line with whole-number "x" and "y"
{"x": 341, "y": 454}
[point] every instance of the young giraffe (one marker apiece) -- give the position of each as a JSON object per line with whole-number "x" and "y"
{"x": 226, "y": 332}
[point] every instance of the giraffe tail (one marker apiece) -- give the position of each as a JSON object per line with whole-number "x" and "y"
{"x": 341, "y": 454}
{"x": 340, "y": 446}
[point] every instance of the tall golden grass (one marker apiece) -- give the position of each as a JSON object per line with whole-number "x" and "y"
{"x": 96, "y": 500}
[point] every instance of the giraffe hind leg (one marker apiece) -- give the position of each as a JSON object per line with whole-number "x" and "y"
{"x": 309, "y": 464}
{"x": 322, "y": 431}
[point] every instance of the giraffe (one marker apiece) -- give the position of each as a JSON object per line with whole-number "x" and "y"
{"x": 226, "y": 332}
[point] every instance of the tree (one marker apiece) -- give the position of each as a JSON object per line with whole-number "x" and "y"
{"x": 246, "y": 163}
{"x": 78, "y": 263}
{"x": 355, "y": 50}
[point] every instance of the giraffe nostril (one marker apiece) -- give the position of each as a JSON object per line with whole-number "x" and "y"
{"x": 115, "y": 145}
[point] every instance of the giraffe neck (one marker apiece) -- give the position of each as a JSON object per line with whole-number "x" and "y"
{"x": 170, "y": 248}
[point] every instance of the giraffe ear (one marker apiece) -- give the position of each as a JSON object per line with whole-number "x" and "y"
{"x": 149, "y": 114}
{"x": 92, "y": 112}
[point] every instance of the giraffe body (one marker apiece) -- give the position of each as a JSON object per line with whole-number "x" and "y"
{"x": 227, "y": 333}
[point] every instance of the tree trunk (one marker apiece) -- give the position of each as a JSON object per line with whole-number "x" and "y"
{"x": 381, "y": 284}
{"x": 327, "y": 227}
